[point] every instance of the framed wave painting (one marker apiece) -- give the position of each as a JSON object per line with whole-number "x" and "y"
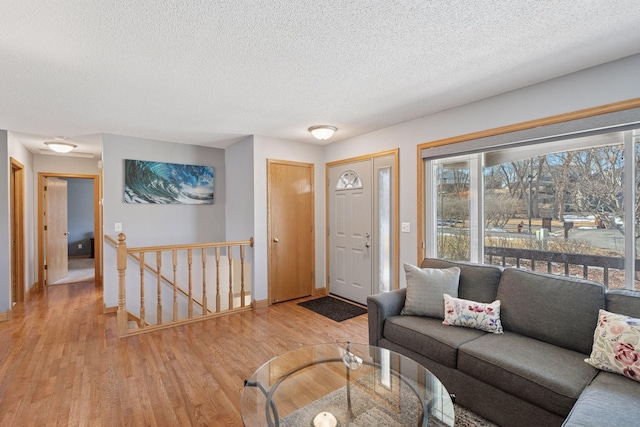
{"x": 167, "y": 183}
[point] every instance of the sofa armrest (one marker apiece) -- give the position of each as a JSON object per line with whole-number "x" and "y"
{"x": 380, "y": 307}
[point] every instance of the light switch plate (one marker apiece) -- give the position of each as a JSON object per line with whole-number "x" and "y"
{"x": 406, "y": 227}
{"x": 118, "y": 226}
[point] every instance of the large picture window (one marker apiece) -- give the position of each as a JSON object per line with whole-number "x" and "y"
{"x": 567, "y": 205}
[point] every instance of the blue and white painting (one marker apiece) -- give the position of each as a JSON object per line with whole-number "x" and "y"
{"x": 167, "y": 183}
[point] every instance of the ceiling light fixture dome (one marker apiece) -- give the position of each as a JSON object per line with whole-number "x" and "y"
{"x": 59, "y": 146}
{"x": 322, "y": 132}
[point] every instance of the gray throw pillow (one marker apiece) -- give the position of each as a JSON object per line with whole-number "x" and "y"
{"x": 426, "y": 288}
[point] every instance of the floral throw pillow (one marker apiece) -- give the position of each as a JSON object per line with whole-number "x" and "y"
{"x": 471, "y": 314}
{"x": 616, "y": 345}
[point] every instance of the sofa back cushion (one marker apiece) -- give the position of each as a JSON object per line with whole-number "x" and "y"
{"x": 477, "y": 282}
{"x": 556, "y": 309}
{"x": 626, "y": 302}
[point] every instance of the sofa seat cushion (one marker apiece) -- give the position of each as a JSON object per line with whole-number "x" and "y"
{"x": 543, "y": 374}
{"x": 429, "y": 337}
{"x": 610, "y": 400}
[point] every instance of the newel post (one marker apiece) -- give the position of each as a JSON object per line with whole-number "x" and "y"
{"x": 121, "y": 253}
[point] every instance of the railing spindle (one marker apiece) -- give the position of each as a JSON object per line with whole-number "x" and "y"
{"x": 159, "y": 292}
{"x": 204, "y": 282}
{"x": 217, "y": 279}
{"x": 175, "y": 285}
{"x": 143, "y": 310}
{"x": 190, "y": 265}
{"x": 230, "y": 256}
{"x": 242, "y": 276}
{"x": 121, "y": 265}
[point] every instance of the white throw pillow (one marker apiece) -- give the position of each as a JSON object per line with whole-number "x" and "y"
{"x": 426, "y": 287}
{"x": 616, "y": 345}
{"x": 471, "y": 314}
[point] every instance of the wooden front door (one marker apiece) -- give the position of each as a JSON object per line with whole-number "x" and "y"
{"x": 291, "y": 230}
{"x": 57, "y": 254}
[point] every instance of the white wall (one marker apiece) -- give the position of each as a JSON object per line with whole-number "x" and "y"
{"x": 608, "y": 83}
{"x": 239, "y": 209}
{"x": 153, "y": 224}
{"x": 239, "y": 201}
{"x": 63, "y": 164}
{"x": 278, "y": 149}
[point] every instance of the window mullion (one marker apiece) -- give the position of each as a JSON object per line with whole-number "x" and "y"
{"x": 476, "y": 208}
{"x": 431, "y": 231}
{"x": 629, "y": 209}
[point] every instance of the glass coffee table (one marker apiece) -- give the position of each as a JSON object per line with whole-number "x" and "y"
{"x": 343, "y": 384}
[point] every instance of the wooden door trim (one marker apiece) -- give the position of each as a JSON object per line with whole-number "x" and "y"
{"x": 395, "y": 206}
{"x": 97, "y": 222}
{"x": 311, "y": 168}
{"x": 17, "y": 213}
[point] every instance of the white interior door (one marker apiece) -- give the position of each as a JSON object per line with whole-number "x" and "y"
{"x": 57, "y": 254}
{"x": 350, "y": 233}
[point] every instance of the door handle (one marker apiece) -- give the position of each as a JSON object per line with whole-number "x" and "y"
{"x": 276, "y": 240}
{"x": 366, "y": 245}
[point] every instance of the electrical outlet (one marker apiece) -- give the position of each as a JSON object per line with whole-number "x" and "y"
{"x": 79, "y": 245}
{"x": 406, "y": 227}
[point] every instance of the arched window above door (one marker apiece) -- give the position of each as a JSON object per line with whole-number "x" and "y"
{"x": 348, "y": 180}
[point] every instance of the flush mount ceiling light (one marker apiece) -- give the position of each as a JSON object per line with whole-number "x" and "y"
{"x": 59, "y": 146}
{"x": 322, "y": 132}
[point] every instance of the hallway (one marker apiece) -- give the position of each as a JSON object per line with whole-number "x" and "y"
{"x": 80, "y": 270}
{"x": 61, "y": 362}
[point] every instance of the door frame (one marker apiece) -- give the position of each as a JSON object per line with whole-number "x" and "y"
{"x": 395, "y": 209}
{"x": 17, "y": 231}
{"x": 97, "y": 224}
{"x": 270, "y": 280}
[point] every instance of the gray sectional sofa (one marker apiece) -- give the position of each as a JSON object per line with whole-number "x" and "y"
{"x": 534, "y": 374}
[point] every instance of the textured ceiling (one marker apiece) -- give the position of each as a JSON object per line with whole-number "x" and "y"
{"x": 210, "y": 72}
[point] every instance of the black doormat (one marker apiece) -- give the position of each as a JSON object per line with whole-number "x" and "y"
{"x": 333, "y": 308}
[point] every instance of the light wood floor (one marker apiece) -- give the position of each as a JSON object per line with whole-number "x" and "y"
{"x": 61, "y": 362}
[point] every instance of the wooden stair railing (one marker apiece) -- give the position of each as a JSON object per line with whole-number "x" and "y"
{"x": 151, "y": 269}
{"x": 192, "y": 309}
